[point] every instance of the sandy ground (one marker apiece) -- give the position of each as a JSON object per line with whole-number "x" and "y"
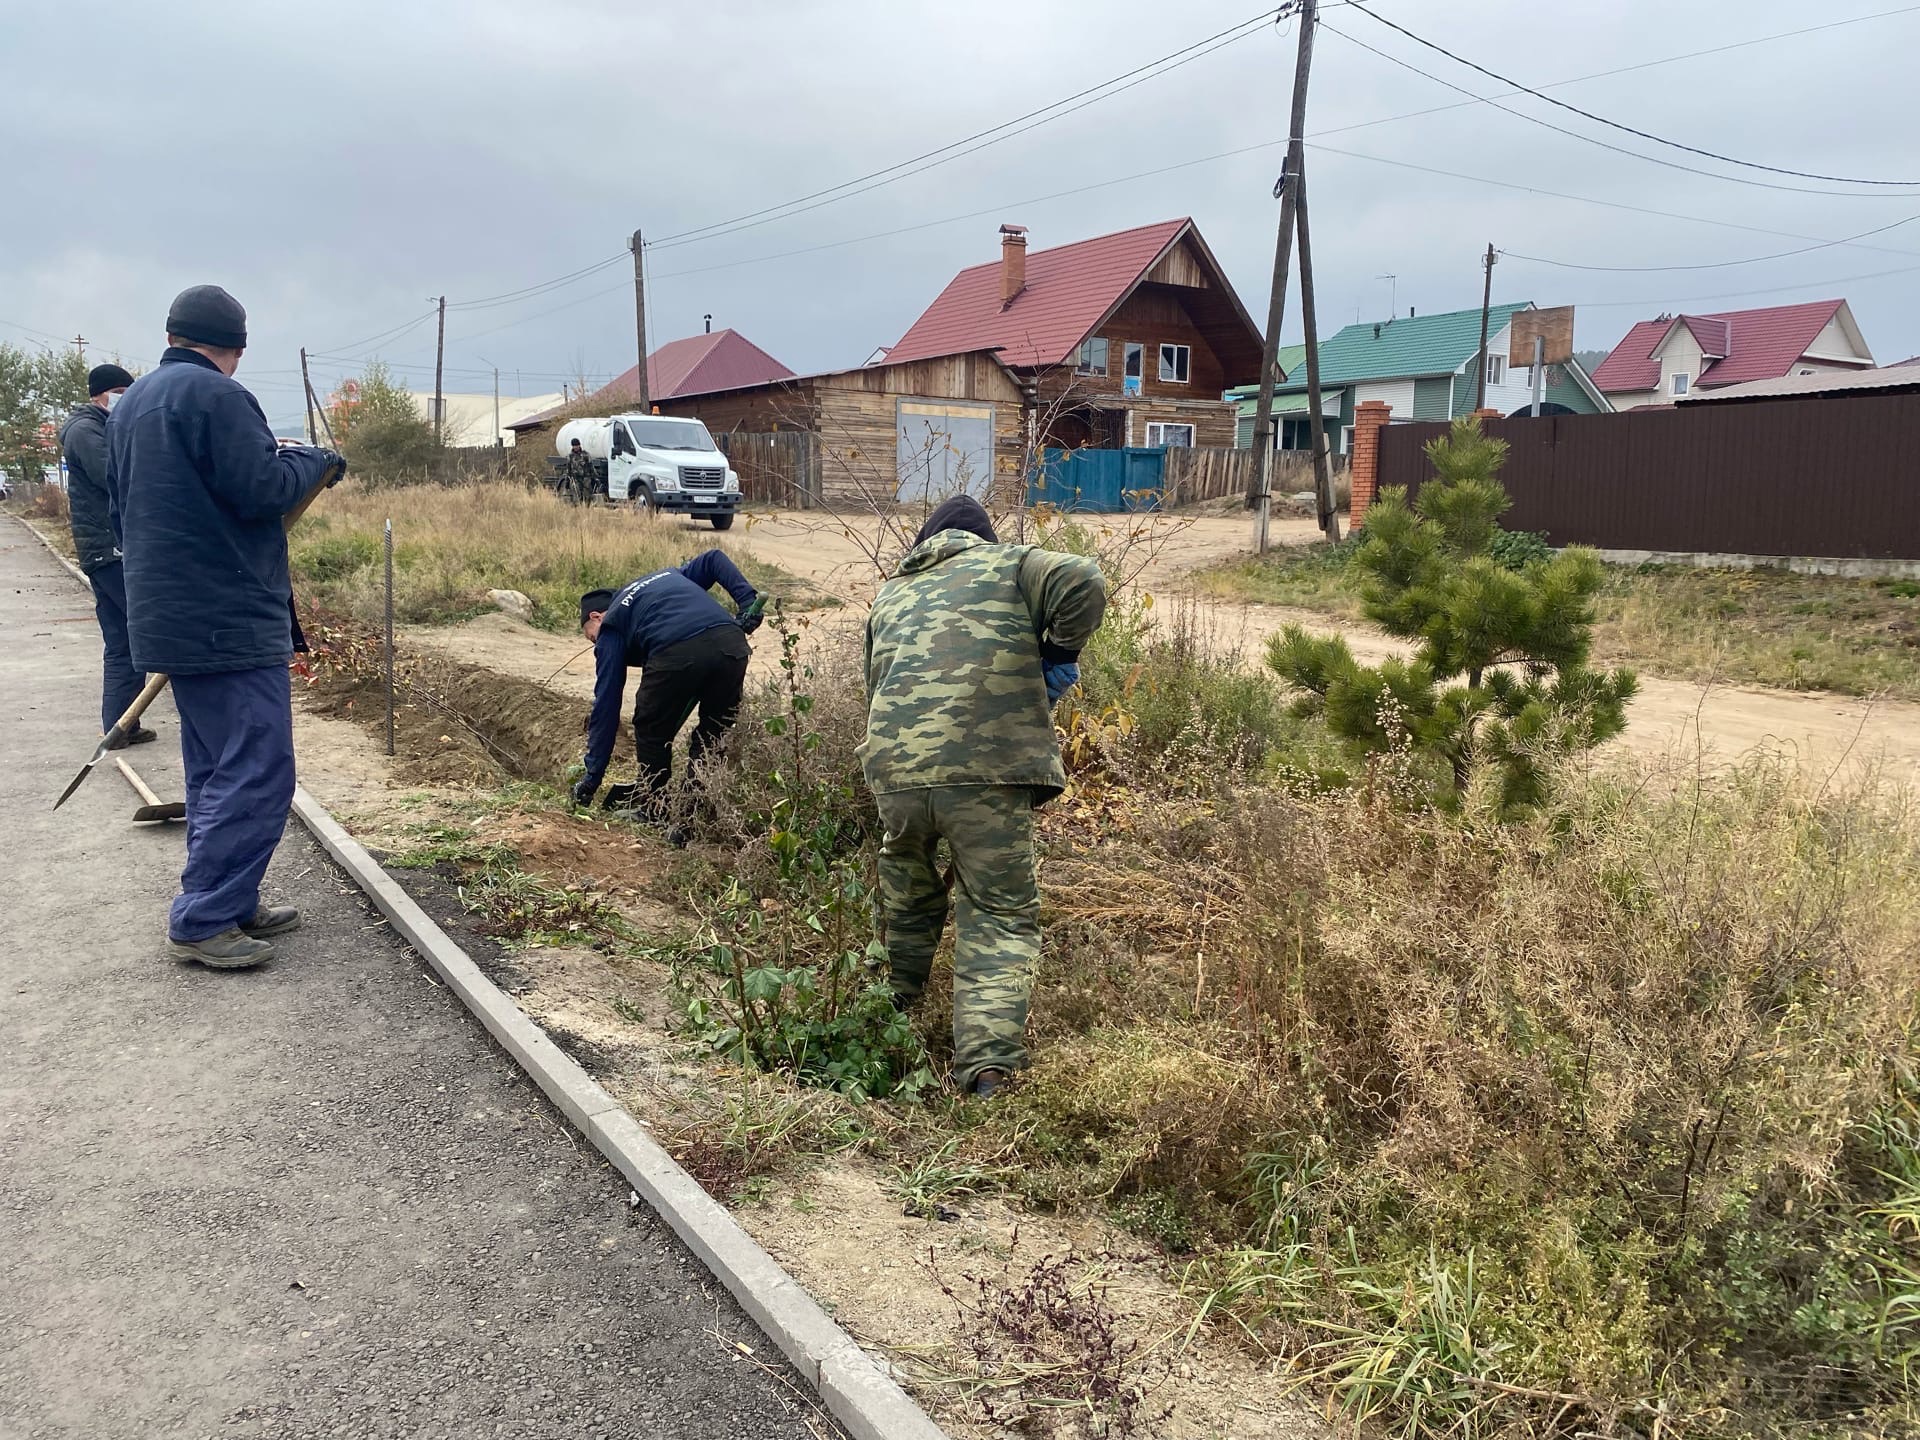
{"x": 1667, "y": 718}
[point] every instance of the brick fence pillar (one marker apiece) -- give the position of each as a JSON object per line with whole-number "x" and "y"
{"x": 1484, "y": 415}
{"x": 1369, "y": 418}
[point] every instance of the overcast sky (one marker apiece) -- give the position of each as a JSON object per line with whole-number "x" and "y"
{"x": 334, "y": 166}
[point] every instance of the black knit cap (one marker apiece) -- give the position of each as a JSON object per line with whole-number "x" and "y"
{"x": 594, "y": 600}
{"x": 102, "y": 378}
{"x": 962, "y": 512}
{"x": 208, "y": 315}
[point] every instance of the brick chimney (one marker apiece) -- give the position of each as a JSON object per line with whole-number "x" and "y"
{"x": 1013, "y": 262}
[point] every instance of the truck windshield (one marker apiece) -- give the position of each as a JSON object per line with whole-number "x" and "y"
{"x": 670, "y": 434}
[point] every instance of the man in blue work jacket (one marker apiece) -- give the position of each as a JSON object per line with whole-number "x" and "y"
{"x": 200, "y": 488}
{"x": 83, "y": 440}
{"x": 693, "y": 654}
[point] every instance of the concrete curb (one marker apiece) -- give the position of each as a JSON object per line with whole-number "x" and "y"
{"x": 53, "y": 550}
{"x": 854, "y": 1389}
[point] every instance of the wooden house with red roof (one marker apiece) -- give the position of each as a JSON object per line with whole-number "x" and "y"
{"x": 1669, "y": 358}
{"x": 1124, "y": 339}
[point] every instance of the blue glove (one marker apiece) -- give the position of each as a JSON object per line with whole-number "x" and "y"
{"x": 584, "y": 789}
{"x": 1062, "y": 676}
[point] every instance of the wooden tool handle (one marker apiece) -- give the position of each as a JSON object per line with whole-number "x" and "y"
{"x": 149, "y": 693}
{"x": 139, "y": 785}
{"x": 292, "y": 517}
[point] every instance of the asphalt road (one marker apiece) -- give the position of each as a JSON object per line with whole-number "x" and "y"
{"x": 310, "y": 1200}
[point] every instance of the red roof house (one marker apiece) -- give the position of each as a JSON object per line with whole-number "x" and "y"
{"x": 1665, "y": 359}
{"x": 1128, "y": 339}
{"x": 697, "y": 365}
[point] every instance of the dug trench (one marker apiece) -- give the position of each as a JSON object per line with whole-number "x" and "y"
{"x": 911, "y": 1248}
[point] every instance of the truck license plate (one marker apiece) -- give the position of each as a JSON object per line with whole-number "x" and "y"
{"x": 703, "y": 499}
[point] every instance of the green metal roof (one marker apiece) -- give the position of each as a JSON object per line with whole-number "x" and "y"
{"x": 1287, "y": 402}
{"x": 1420, "y": 345}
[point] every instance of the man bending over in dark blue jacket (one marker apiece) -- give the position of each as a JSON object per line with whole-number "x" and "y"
{"x": 693, "y": 653}
{"x": 200, "y": 487}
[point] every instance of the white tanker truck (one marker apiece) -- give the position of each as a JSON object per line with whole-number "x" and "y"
{"x": 654, "y": 462}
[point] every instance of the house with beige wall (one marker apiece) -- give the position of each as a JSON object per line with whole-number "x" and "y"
{"x": 1671, "y": 357}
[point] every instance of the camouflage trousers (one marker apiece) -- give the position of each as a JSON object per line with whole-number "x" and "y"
{"x": 996, "y": 904}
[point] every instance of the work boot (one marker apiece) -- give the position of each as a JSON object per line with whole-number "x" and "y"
{"x": 231, "y": 949}
{"x": 271, "y": 920}
{"x": 987, "y": 1083}
{"x": 140, "y": 735}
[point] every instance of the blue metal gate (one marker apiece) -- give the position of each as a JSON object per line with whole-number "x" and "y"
{"x": 1105, "y": 481}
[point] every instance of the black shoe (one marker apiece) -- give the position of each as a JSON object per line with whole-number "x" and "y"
{"x": 679, "y": 835}
{"x": 229, "y": 950}
{"x": 140, "y": 736}
{"x": 987, "y": 1083}
{"x": 271, "y": 920}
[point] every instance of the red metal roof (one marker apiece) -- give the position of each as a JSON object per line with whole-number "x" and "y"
{"x": 1069, "y": 289}
{"x": 722, "y": 360}
{"x": 1758, "y": 345}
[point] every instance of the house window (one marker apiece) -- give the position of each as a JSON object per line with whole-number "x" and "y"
{"x": 1180, "y": 436}
{"x": 1092, "y": 359}
{"x": 1176, "y": 362}
{"x": 1806, "y": 372}
{"x": 1496, "y": 369}
{"x": 1679, "y": 382}
{"x": 1130, "y": 364}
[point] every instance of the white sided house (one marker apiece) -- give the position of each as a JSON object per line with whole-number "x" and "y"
{"x": 1670, "y": 358}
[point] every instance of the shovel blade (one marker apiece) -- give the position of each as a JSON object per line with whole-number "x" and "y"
{"x": 157, "y": 814}
{"x": 85, "y": 770}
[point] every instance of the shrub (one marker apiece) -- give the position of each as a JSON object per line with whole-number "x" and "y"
{"x": 1500, "y": 680}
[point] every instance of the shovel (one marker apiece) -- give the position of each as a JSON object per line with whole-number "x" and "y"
{"x": 153, "y": 810}
{"x": 130, "y": 720}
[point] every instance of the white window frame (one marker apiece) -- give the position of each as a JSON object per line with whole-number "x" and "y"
{"x": 1679, "y": 382}
{"x": 1083, "y": 358}
{"x": 1157, "y": 434}
{"x": 1496, "y": 370}
{"x": 1183, "y": 364}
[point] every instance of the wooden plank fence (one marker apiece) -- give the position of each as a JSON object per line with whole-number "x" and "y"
{"x": 779, "y": 467}
{"x": 1216, "y": 474}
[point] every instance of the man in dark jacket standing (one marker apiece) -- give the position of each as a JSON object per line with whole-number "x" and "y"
{"x": 693, "y": 652}
{"x": 201, "y": 488}
{"x": 90, "y": 512}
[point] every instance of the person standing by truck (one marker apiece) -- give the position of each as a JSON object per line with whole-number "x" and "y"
{"x": 968, "y": 645}
{"x": 692, "y": 653}
{"x": 90, "y": 513}
{"x": 580, "y": 476}
{"x": 201, "y": 487}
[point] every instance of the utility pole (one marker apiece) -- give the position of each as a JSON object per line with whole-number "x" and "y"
{"x": 1316, "y": 422}
{"x": 1486, "y": 305}
{"x": 79, "y": 342}
{"x": 1261, "y": 494}
{"x": 306, "y": 386}
{"x": 640, "y": 319}
{"x": 439, "y": 361}
{"x": 497, "y": 440}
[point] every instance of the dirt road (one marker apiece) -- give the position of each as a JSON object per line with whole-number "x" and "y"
{"x": 1667, "y": 718}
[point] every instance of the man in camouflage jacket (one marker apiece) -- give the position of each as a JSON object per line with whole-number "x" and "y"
{"x": 967, "y": 646}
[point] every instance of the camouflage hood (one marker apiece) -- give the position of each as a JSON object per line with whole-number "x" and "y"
{"x": 955, "y": 694}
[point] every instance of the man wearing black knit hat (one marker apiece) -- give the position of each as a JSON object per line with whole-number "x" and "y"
{"x": 201, "y": 488}
{"x": 90, "y": 512}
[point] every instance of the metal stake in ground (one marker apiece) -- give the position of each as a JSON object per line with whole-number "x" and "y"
{"x": 389, "y": 637}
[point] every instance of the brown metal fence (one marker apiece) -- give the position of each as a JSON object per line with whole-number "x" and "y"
{"x": 1833, "y": 477}
{"x": 775, "y": 468}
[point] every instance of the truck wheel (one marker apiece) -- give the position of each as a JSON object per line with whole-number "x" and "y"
{"x": 722, "y": 522}
{"x": 641, "y": 499}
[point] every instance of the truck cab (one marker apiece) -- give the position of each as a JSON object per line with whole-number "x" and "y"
{"x": 659, "y": 462}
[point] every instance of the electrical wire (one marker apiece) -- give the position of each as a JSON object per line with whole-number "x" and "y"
{"x": 1710, "y": 265}
{"x": 1617, "y": 125}
{"x": 1227, "y": 36}
{"x": 1668, "y": 300}
{"x": 487, "y": 302}
{"x": 1587, "y": 139}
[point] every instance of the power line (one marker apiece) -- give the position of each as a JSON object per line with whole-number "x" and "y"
{"x": 1744, "y": 294}
{"x": 1232, "y": 31}
{"x": 1710, "y": 265}
{"x": 512, "y": 296}
{"x": 1473, "y": 100}
{"x": 1575, "y": 134}
{"x": 1615, "y": 124}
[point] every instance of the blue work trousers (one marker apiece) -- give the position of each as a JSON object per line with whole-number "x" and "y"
{"x": 119, "y": 682}
{"x": 236, "y": 738}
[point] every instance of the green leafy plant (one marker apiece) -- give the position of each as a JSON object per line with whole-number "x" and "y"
{"x": 1499, "y": 678}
